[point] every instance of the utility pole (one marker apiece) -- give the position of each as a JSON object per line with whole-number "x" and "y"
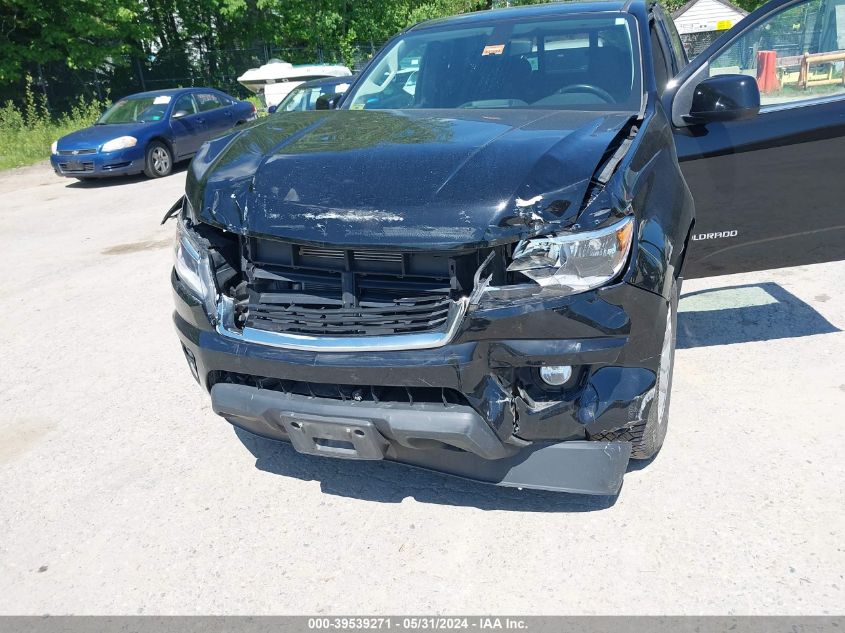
{"x": 140, "y": 73}
{"x": 43, "y": 85}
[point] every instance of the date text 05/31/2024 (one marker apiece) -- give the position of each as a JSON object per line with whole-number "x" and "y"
{"x": 416, "y": 623}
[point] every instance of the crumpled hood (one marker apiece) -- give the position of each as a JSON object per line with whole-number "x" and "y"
{"x": 411, "y": 179}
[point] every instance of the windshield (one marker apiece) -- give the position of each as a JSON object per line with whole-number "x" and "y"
{"x": 581, "y": 61}
{"x": 140, "y": 109}
{"x": 305, "y": 97}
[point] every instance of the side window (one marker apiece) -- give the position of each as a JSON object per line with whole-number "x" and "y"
{"x": 675, "y": 42}
{"x": 312, "y": 96}
{"x": 662, "y": 70}
{"x": 185, "y": 104}
{"x": 796, "y": 55}
{"x": 207, "y": 101}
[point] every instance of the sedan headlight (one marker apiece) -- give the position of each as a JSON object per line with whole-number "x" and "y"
{"x": 575, "y": 261}
{"x": 193, "y": 267}
{"x": 122, "y": 142}
{"x": 54, "y": 148}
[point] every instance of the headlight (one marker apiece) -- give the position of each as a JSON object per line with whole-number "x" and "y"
{"x": 193, "y": 267}
{"x": 54, "y": 148}
{"x": 575, "y": 261}
{"x": 122, "y": 142}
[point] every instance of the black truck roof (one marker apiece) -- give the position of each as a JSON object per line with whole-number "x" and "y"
{"x": 538, "y": 10}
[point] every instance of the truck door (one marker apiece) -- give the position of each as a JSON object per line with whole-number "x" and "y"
{"x": 768, "y": 189}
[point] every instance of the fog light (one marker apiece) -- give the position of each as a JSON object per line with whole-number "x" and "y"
{"x": 556, "y": 375}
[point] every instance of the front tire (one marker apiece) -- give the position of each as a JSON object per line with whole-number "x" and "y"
{"x": 159, "y": 160}
{"x": 647, "y": 436}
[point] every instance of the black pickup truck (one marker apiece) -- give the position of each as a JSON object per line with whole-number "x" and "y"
{"x": 471, "y": 261}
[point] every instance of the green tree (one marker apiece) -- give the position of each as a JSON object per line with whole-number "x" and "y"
{"x": 83, "y": 33}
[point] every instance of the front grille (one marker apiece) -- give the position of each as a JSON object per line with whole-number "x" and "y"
{"x": 355, "y": 393}
{"x": 76, "y": 152}
{"x": 313, "y": 316}
{"x": 74, "y": 167}
{"x": 307, "y": 290}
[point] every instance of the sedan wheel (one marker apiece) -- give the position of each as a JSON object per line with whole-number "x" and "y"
{"x": 159, "y": 160}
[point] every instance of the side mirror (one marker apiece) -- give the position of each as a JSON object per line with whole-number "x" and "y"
{"x": 724, "y": 98}
{"x": 179, "y": 114}
{"x": 328, "y": 102}
{"x": 272, "y": 109}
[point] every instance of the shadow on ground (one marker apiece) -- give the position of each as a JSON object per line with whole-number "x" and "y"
{"x": 743, "y": 314}
{"x": 387, "y": 482}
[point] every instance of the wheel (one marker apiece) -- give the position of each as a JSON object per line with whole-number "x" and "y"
{"x": 647, "y": 437}
{"x": 159, "y": 160}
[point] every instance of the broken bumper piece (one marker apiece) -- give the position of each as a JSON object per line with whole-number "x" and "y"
{"x": 454, "y": 440}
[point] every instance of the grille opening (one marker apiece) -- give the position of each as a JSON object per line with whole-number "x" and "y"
{"x": 352, "y": 393}
{"x": 85, "y": 166}
{"x": 309, "y": 290}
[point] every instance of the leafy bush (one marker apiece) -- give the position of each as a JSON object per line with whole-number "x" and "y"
{"x": 26, "y": 133}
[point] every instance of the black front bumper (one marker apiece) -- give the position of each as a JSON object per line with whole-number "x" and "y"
{"x": 358, "y": 431}
{"x": 510, "y": 428}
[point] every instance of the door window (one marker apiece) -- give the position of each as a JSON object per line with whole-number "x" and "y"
{"x": 662, "y": 71}
{"x": 797, "y": 54}
{"x": 185, "y": 104}
{"x": 679, "y": 53}
{"x": 208, "y": 101}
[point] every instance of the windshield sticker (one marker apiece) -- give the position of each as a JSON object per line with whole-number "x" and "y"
{"x": 356, "y": 106}
{"x": 493, "y": 49}
{"x": 162, "y": 99}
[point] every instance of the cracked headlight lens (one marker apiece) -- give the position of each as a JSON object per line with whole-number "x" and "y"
{"x": 193, "y": 267}
{"x": 575, "y": 261}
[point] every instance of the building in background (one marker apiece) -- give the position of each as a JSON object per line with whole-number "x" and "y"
{"x": 700, "y": 22}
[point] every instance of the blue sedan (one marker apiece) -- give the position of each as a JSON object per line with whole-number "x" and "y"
{"x": 148, "y": 132}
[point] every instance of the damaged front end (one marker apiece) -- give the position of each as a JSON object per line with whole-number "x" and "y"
{"x": 427, "y": 358}
{"x": 506, "y": 347}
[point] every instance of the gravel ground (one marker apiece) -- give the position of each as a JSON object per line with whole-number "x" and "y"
{"x": 123, "y": 493}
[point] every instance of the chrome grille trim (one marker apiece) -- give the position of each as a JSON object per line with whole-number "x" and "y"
{"x": 76, "y": 152}
{"x": 383, "y": 343}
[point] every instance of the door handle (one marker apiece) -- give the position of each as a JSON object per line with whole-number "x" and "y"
{"x": 200, "y": 120}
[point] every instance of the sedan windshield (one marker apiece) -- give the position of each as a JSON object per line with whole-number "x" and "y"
{"x": 138, "y": 109}
{"x": 580, "y": 61}
{"x": 305, "y": 97}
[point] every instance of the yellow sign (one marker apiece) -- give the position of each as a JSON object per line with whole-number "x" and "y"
{"x": 723, "y": 25}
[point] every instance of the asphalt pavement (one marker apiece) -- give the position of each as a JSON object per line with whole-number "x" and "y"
{"x": 123, "y": 493}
